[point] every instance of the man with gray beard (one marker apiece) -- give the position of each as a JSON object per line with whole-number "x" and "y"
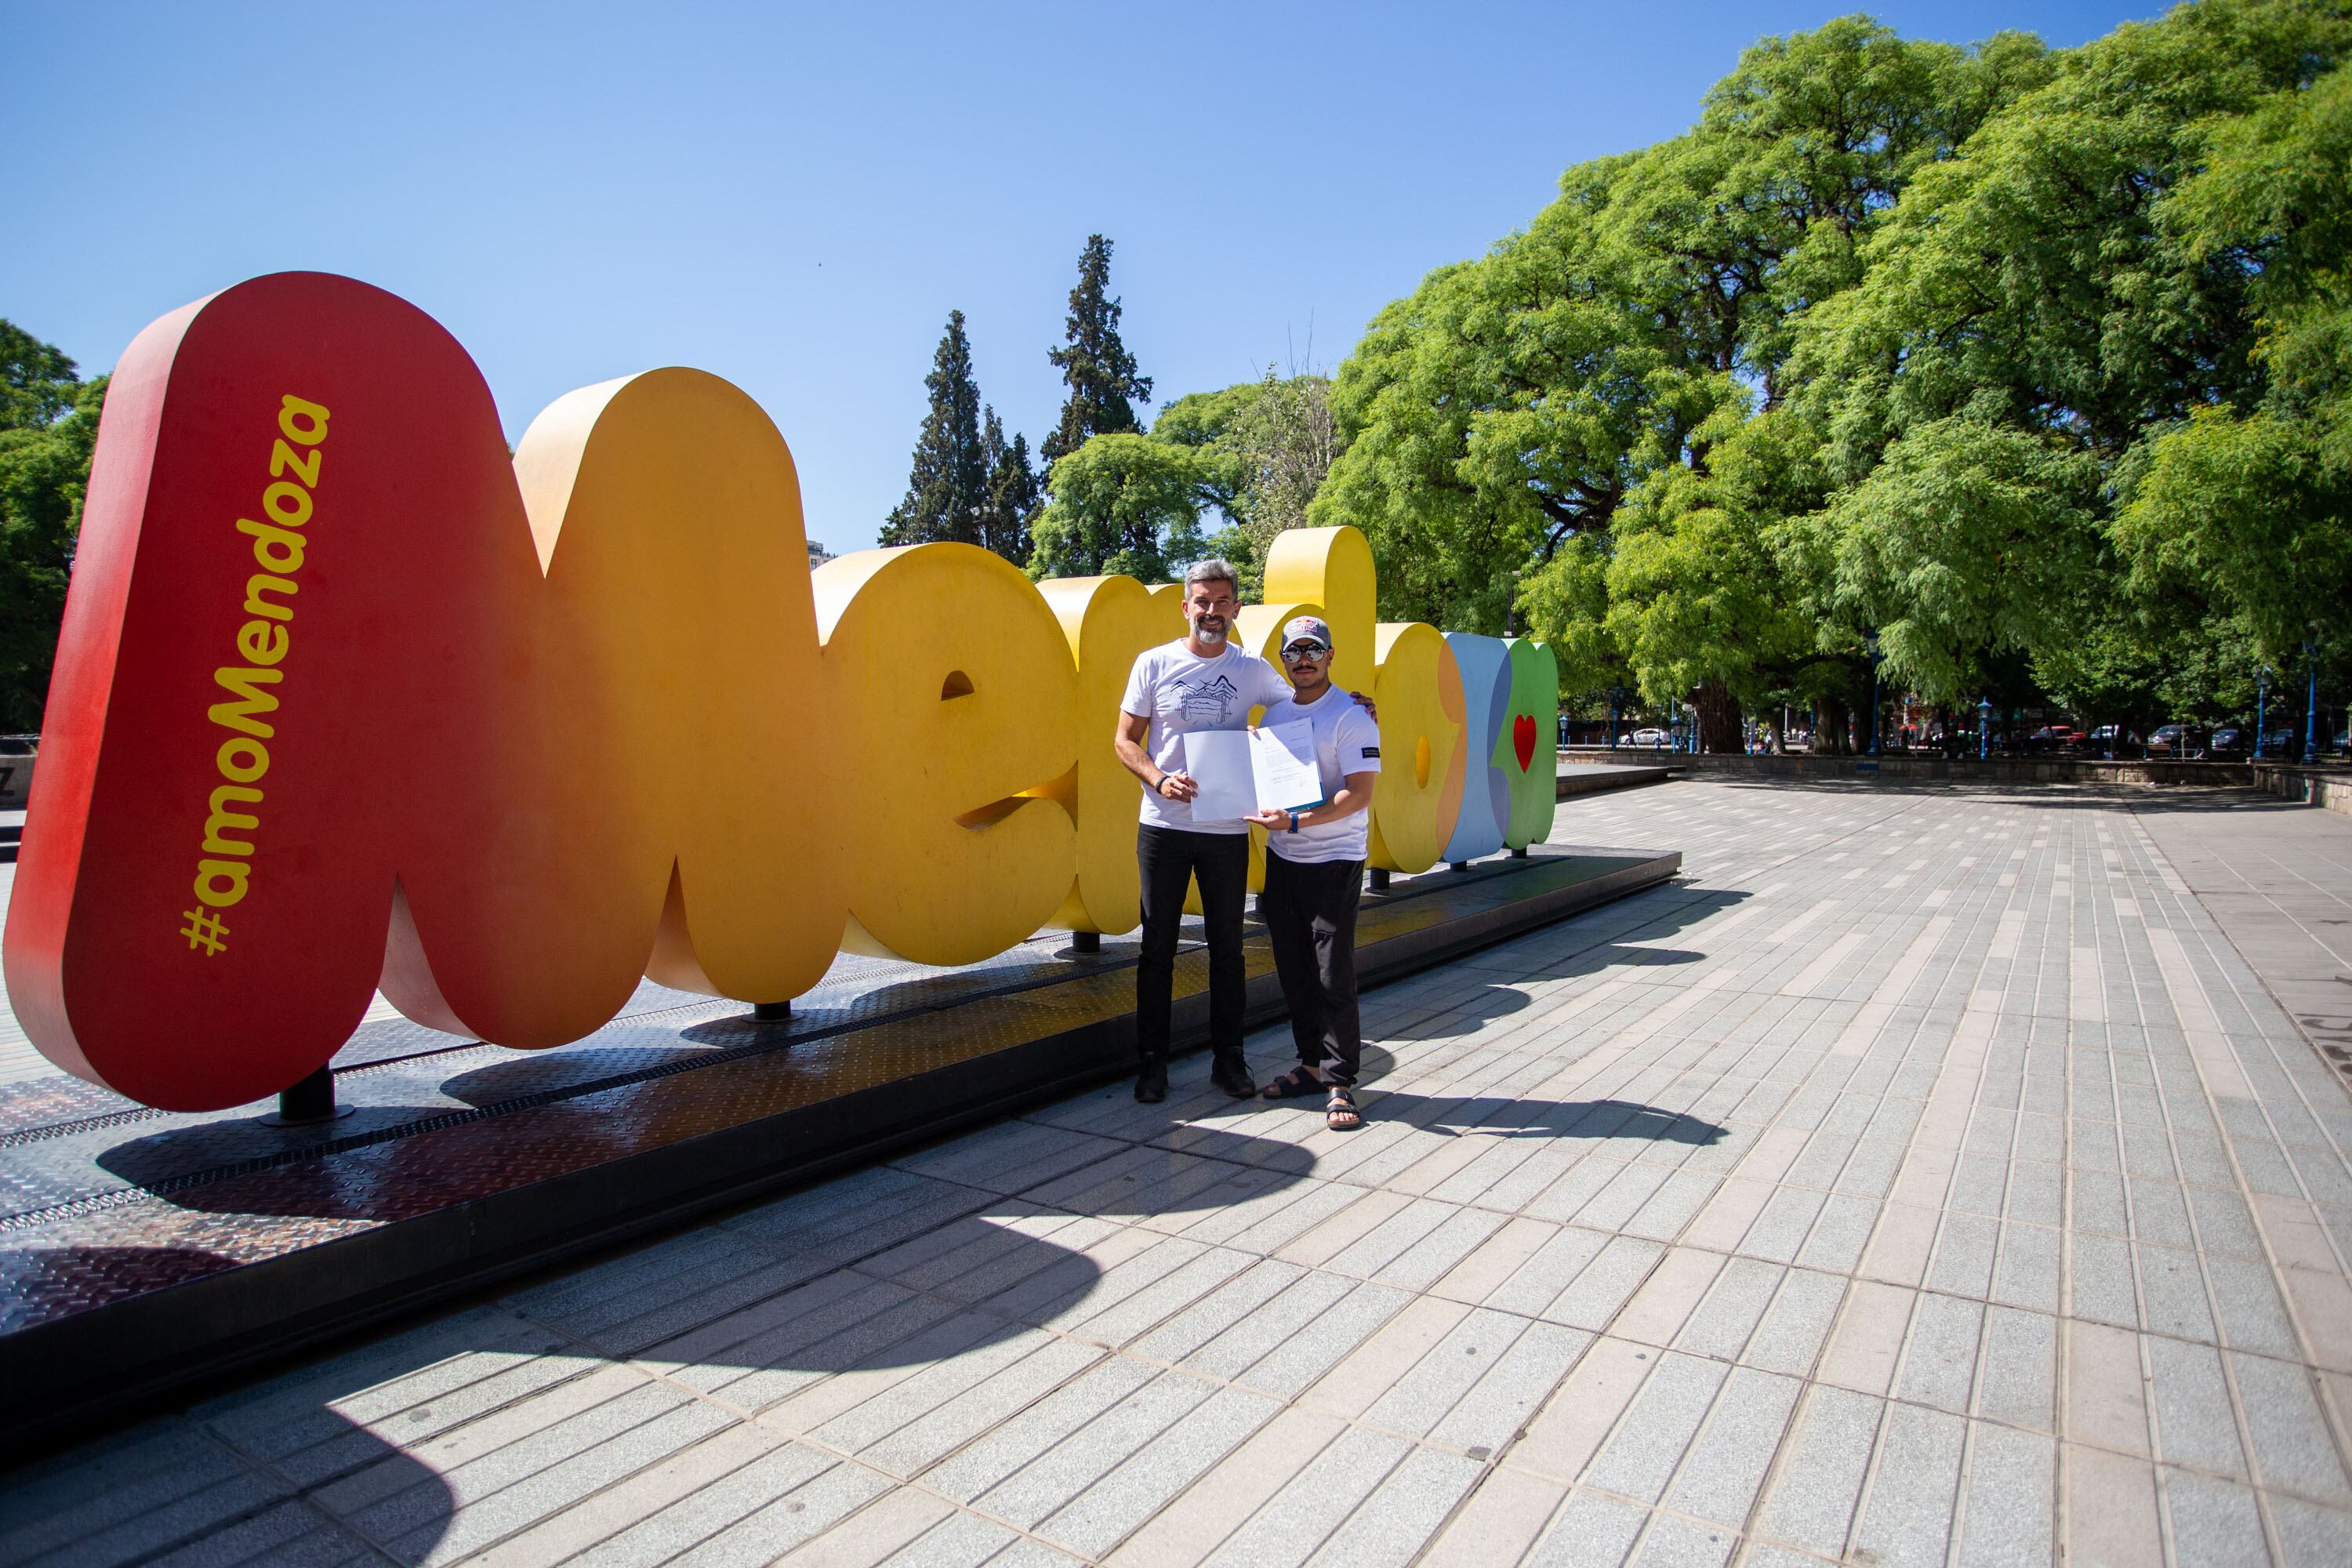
{"x": 1199, "y": 682}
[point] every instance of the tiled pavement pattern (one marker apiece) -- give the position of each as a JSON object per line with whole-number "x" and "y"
{"x": 1926, "y": 1178}
{"x": 2284, "y": 894}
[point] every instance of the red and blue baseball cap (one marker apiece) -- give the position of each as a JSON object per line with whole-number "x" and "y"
{"x": 1306, "y": 628}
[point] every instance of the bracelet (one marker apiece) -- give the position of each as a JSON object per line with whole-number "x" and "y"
{"x": 1293, "y": 822}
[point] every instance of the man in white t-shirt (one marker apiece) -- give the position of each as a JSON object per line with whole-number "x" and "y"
{"x": 1200, "y": 683}
{"x": 1314, "y": 876}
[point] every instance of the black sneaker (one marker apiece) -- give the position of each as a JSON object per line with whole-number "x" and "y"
{"x": 1152, "y": 1080}
{"x": 1231, "y": 1074}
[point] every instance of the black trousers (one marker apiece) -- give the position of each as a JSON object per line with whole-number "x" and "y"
{"x": 1170, "y": 858}
{"x": 1311, "y": 920}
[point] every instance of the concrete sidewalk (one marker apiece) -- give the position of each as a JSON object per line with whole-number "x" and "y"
{"x": 1932, "y": 1176}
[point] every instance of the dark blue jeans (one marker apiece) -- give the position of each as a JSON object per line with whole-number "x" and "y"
{"x": 1169, "y": 859}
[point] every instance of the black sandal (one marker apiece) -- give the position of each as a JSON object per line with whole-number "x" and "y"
{"x": 1339, "y": 1113}
{"x": 1296, "y": 1084}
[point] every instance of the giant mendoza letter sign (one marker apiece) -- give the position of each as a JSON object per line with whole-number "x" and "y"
{"x": 345, "y": 698}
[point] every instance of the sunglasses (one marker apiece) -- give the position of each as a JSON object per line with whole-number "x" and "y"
{"x": 1298, "y": 652}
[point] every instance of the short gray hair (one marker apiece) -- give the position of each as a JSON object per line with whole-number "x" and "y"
{"x": 1215, "y": 569}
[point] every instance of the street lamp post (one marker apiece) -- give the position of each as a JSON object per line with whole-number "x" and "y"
{"x": 2311, "y": 710}
{"x": 1872, "y": 643}
{"x": 1984, "y": 728}
{"x": 2262, "y": 703}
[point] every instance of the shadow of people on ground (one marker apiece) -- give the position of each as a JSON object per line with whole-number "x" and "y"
{"x": 1593, "y": 1119}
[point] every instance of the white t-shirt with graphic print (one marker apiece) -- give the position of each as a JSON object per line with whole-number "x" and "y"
{"x": 1347, "y": 740}
{"x": 1180, "y": 693}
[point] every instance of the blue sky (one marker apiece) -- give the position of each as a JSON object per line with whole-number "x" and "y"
{"x": 794, "y": 199}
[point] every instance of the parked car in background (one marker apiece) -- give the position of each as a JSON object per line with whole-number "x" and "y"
{"x": 2280, "y": 740}
{"x": 2228, "y": 738}
{"x": 2110, "y": 734}
{"x": 2177, "y": 741}
{"x": 1652, "y": 736}
{"x": 2054, "y": 738}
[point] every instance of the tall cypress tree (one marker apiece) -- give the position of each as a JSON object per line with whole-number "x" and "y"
{"x": 1097, "y": 367}
{"x": 1012, "y": 491}
{"x": 946, "y": 490}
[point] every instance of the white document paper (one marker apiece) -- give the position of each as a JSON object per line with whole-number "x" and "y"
{"x": 1242, "y": 771}
{"x": 1282, "y": 760}
{"x": 1219, "y": 762}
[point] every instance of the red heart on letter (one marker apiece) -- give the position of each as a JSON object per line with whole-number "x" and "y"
{"x": 1523, "y": 740}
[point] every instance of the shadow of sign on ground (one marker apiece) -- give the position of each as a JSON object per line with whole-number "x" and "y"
{"x": 293, "y": 1478}
{"x": 953, "y": 1264}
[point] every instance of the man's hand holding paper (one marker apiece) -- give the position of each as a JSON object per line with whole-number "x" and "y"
{"x": 1242, "y": 773}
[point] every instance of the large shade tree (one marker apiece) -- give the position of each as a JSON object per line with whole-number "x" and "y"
{"x": 2012, "y": 365}
{"x": 49, "y": 428}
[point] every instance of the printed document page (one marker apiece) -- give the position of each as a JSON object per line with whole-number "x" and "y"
{"x": 1219, "y": 762}
{"x": 1283, "y": 759}
{"x": 1242, "y": 771}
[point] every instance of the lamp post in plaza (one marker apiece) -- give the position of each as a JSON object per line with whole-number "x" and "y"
{"x": 1984, "y": 728}
{"x": 2262, "y": 703}
{"x": 1870, "y": 643}
{"x": 2311, "y": 708}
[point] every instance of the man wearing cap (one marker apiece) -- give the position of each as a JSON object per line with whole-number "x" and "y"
{"x": 1199, "y": 682}
{"x": 1313, "y": 874}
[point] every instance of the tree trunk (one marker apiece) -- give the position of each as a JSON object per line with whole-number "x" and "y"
{"x": 1829, "y": 734}
{"x": 1778, "y": 719}
{"x": 1718, "y": 719}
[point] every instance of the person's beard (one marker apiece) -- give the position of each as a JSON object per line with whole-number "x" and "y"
{"x": 1203, "y": 632}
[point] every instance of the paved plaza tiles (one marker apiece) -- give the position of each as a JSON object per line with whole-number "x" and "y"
{"x": 1930, "y": 1175}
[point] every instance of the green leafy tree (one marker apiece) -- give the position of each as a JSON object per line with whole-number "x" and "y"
{"x": 48, "y": 428}
{"x": 1518, "y": 403}
{"x": 1545, "y": 431}
{"x": 1967, "y": 535}
{"x": 1095, "y": 365}
{"x": 2249, "y": 502}
{"x": 1013, "y": 494}
{"x": 1284, "y": 441}
{"x": 1265, "y": 446}
{"x": 38, "y": 384}
{"x": 2027, "y": 327}
{"x": 948, "y": 491}
{"x": 1121, "y": 503}
{"x": 1503, "y": 409}
{"x": 1697, "y": 591}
